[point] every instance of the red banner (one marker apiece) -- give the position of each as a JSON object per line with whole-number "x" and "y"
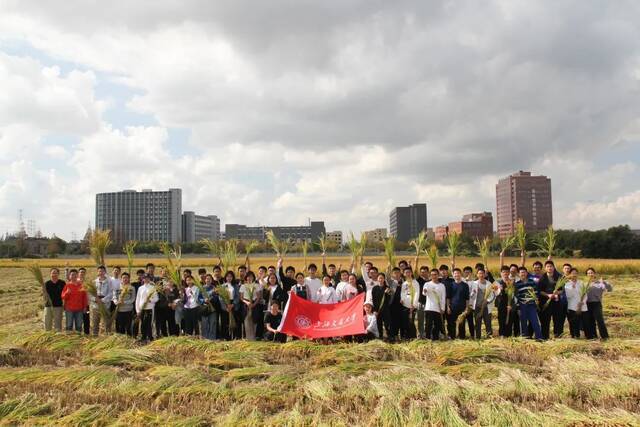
{"x": 306, "y": 319}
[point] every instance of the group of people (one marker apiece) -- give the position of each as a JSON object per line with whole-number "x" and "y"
{"x": 400, "y": 303}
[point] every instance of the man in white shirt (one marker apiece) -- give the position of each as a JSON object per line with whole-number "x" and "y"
{"x": 576, "y": 302}
{"x": 313, "y": 283}
{"x": 101, "y": 304}
{"x": 146, "y": 299}
{"x": 341, "y": 287}
{"x": 435, "y": 305}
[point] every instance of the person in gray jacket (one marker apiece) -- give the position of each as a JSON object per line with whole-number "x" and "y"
{"x": 594, "y": 304}
{"x": 124, "y": 297}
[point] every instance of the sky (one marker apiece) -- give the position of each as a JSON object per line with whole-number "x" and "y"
{"x": 277, "y": 112}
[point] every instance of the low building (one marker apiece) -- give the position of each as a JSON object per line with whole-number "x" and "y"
{"x": 441, "y": 232}
{"x": 198, "y": 227}
{"x": 475, "y": 225}
{"x": 376, "y": 235}
{"x": 294, "y": 233}
{"x": 335, "y": 237}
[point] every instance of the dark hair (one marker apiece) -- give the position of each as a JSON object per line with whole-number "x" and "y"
{"x": 208, "y": 275}
{"x": 369, "y": 263}
{"x": 382, "y": 275}
{"x": 424, "y": 268}
{"x": 102, "y": 267}
{"x": 444, "y": 267}
{"x": 118, "y": 267}
{"x": 457, "y": 269}
{"x": 479, "y": 266}
{"x": 299, "y": 274}
{"x": 573, "y": 269}
{"x": 402, "y": 261}
{"x": 150, "y": 264}
{"x": 591, "y": 269}
{"x": 395, "y": 269}
{"x": 290, "y": 268}
{"x": 312, "y": 265}
{"x": 549, "y": 262}
{"x": 270, "y": 276}
{"x": 434, "y": 270}
{"x": 408, "y": 268}
{"x": 56, "y": 269}
{"x": 271, "y": 267}
{"x": 82, "y": 269}
{"x": 275, "y": 303}
{"x": 250, "y": 273}
{"x": 262, "y": 268}
{"x": 202, "y": 271}
{"x": 566, "y": 264}
{"x": 374, "y": 268}
{"x": 140, "y": 271}
{"x": 352, "y": 274}
{"x": 326, "y": 276}
{"x": 481, "y": 269}
{"x": 468, "y": 268}
{"x": 332, "y": 265}
{"x": 187, "y": 271}
{"x": 344, "y": 272}
{"x": 538, "y": 263}
{"x": 513, "y": 265}
{"x": 242, "y": 267}
{"x": 217, "y": 267}
{"x": 188, "y": 277}
{"x": 73, "y": 270}
{"x": 233, "y": 276}
{"x": 523, "y": 268}
{"x": 125, "y": 274}
{"x": 505, "y": 268}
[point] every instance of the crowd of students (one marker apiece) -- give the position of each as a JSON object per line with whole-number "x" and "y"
{"x": 400, "y": 303}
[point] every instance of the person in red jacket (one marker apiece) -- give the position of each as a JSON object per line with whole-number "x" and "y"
{"x": 75, "y": 300}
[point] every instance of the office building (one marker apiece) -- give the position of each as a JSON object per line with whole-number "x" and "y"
{"x": 141, "y": 215}
{"x": 407, "y": 221}
{"x": 523, "y": 196}
{"x": 309, "y": 232}
{"x": 198, "y": 227}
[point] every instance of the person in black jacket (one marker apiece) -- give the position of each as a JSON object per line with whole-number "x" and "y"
{"x": 557, "y": 309}
{"x": 53, "y": 301}
{"x": 381, "y": 298}
{"x": 287, "y": 278}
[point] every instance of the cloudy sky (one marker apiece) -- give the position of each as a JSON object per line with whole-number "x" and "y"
{"x": 274, "y": 112}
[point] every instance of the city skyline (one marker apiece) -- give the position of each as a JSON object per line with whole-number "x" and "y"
{"x": 339, "y": 111}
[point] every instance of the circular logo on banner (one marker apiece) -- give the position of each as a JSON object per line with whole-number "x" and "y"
{"x": 303, "y": 322}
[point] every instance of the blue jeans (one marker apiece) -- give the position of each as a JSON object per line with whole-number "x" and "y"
{"x": 74, "y": 320}
{"x": 209, "y": 326}
{"x": 529, "y": 313}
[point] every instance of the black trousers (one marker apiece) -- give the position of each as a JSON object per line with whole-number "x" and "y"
{"x": 258, "y": 317}
{"x": 277, "y": 337}
{"x": 596, "y": 318}
{"x": 238, "y": 315}
{"x": 556, "y": 311}
{"x": 146, "y": 329}
{"x": 165, "y": 322}
{"x": 508, "y": 321}
{"x": 123, "y": 322}
{"x": 384, "y": 323}
{"x": 190, "y": 321}
{"x": 223, "y": 326}
{"x": 408, "y": 331}
{"x": 452, "y": 324}
{"x": 396, "y": 322}
{"x": 574, "y": 323}
{"x": 433, "y": 325}
{"x": 86, "y": 322}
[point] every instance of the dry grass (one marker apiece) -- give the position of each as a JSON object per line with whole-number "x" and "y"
{"x": 49, "y": 378}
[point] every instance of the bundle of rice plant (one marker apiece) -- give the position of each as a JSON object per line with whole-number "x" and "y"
{"x": 584, "y": 290}
{"x": 322, "y": 243}
{"x": 484, "y": 247}
{"x": 432, "y": 254}
{"x": 99, "y": 241}
{"x": 129, "y": 249}
{"x": 363, "y": 244}
{"x": 230, "y": 257}
{"x": 174, "y": 261}
{"x": 547, "y": 242}
{"x": 562, "y": 281}
{"x": 453, "y": 245}
{"x": 215, "y": 248}
{"x": 507, "y": 243}
{"x": 419, "y": 244}
{"x": 36, "y": 272}
{"x": 305, "y": 251}
{"x": 90, "y": 287}
{"x": 462, "y": 317}
{"x": 280, "y": 247}
{"x": 389, "y": 251}
{"x": 225, "y": 297}
{"x": 354, "y": 247}
{"x": 251, "y": 246}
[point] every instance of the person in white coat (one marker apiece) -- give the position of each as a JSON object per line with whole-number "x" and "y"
{"x": 576, "y": 294}
{"x": 146, "y": 299}
{"x": 409, "y": 299}
{"x": 435, "y": 305}
{"x": 482, "y": 297}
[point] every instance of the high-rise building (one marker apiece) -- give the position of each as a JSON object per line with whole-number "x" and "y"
{"x": 309, "y": 232}
{"x": 376, "y": 235}
{"x": 407, "y": 221}
{"x": 474, "y": 225}
{"x": 523, "y": 196}
{"x": 141, "y": 215}
{"x": 198, "y": 227}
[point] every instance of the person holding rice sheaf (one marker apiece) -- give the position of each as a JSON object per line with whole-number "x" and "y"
{"x": 594, "y": 304}
{"x": 53, "y": 303}
{"x": 577, "y": 311}
{"x": 526, "y": 294}
{"x": 101, "y": 303}
{"x": 435, "y": 305}
{"x": 145, "y": 303}
{"x": 124, "y": 298}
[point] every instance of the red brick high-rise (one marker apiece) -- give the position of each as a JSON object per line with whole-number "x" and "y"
{"x": 523, "y": 196}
